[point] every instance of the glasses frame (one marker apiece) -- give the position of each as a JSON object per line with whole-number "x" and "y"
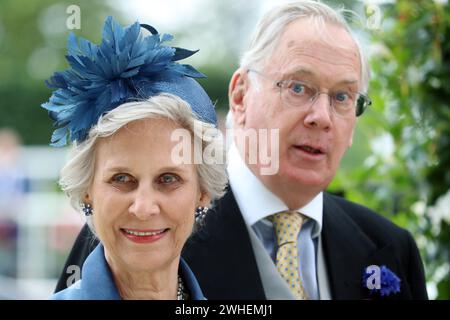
{"x": 362, "y": 101}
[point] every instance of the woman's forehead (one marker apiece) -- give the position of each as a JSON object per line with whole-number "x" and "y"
{"x": 142, "y": 144}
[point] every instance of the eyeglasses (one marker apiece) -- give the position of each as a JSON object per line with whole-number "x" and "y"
{"x": 300, "y": 94}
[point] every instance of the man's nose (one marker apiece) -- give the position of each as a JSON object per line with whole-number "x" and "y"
{"x": 145, "y": 203}
{"x": 319, "y": 112}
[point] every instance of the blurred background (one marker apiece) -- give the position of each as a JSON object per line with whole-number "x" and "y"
{"x": 399, "y": 164}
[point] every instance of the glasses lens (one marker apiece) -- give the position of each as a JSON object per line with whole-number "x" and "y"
{"x": 296, "y": 94}
{"x": 361, "y": 104}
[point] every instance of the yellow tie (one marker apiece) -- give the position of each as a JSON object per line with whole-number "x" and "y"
{"x": 287, "y": 227}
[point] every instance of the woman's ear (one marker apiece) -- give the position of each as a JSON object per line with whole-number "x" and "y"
{"x": 87, "y": 198}
{"x": 204, "y": 200}
{"x": 236, "y": 93}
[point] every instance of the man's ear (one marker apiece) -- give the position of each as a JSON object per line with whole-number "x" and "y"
{"x": 236, "y": 93}
{"x": 350, "y": 141}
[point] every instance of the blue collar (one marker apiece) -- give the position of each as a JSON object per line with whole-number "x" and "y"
{"x": 98, "y": 284}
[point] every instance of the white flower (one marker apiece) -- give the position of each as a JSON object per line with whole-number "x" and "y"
{"x": 383, "y": 146}
{"x": 440, "y": 211}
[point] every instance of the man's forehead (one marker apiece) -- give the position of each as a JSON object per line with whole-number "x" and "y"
{"x": 323, "y": 50}
{"x": 332, "y": 43}
{"x": 305, "y": 29}
{"x": 313, "y": 54}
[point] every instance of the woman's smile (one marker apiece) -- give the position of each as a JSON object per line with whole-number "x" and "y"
{"x": 144, "y": 236}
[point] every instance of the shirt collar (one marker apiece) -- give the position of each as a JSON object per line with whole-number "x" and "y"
{"x": 246, "y": 185}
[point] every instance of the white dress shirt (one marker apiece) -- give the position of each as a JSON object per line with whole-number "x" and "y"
{"x": 256, "y": 203}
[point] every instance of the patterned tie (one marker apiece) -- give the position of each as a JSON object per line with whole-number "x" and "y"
{"x": 287, "y": 227}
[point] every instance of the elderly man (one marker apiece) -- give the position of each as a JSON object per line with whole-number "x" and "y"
{"x": 279, "y": 235}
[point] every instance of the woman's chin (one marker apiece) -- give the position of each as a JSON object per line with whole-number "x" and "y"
{"x": 149, "y": 261}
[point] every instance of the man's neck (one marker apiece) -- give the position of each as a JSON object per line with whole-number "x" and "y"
{"x": 293, "y": 196}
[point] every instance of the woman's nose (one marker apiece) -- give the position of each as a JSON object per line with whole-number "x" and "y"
{"x": 145, "y": 203}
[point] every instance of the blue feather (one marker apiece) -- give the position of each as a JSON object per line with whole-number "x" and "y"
{"x": 166, "y": 37}
{"x": 188, "y": 70}
{"x": 122, "y": 68}
{"x": 181, "y": 54}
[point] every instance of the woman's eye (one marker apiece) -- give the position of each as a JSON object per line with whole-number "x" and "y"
{"x": 123, "y": 182}
{"x": 122, "y": 178}
{"x": 168, "y": 179}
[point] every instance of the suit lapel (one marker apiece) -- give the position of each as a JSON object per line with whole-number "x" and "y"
{"x": 221, "y": 255}
{"x": 348, "y": 251}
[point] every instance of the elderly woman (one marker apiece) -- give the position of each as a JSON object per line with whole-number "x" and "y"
{"x": 122, "y": 102}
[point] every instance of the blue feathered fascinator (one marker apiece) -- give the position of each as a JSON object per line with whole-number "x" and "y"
{"x": 127, "y": 66}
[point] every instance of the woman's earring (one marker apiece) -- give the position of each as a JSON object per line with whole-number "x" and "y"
{"x": 87, "y": 209}
{"x": 200, "y": 214}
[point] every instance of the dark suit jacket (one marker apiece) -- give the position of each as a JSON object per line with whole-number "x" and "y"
{"x": 354, "y": 237}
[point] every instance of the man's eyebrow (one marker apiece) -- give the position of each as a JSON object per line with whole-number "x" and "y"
{"x": 308, "y": 72}
{"x": 299, "y": 72}
{"x": 348, "y": 81}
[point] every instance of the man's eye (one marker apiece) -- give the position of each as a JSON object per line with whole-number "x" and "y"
{"x": 297, "y": 88}
{"x": 342, "y": 97}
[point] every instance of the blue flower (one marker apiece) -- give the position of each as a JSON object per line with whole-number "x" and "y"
{"x": 126, "y": 66}
{"x": 381, "y": 279}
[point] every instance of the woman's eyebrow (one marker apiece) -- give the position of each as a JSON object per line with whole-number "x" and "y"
{"x": 117, "y": 169}
{"x": 179, "y": 168}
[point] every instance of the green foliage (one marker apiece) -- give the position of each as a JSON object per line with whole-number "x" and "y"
{"x": 216, "y": 83}
{"x": 410, "y": 89}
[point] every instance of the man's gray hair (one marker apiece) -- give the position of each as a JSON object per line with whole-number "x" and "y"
{"x": 272, "y": 24}
{"x": 78, "y": 172}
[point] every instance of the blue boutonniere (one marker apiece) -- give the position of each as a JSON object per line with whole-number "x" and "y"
{"x": 381, "y": 279}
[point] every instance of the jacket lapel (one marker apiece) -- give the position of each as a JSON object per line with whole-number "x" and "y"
{"x": 221, "y": 255}
{"x": 348, "y": 251}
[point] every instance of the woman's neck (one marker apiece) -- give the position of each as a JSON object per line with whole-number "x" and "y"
{"x": 155, "y": 284}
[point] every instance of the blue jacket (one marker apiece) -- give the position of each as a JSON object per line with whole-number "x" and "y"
{"x": 97, "y": 282}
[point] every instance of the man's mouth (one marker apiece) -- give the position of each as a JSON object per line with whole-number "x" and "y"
{"x": 310, "y": 149}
